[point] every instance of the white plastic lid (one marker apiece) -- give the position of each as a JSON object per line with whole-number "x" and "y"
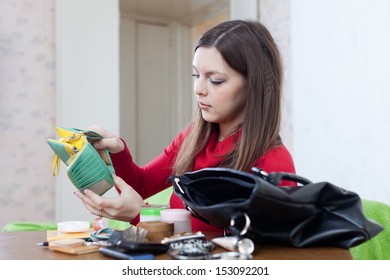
{"x": 175, "y": 214}
{"x": 73, "y": 226}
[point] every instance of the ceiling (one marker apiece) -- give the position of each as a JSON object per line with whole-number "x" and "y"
{"x": 172, "y": 9}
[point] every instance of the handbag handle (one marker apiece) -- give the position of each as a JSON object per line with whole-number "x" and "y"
{"x": 276, "y": 178}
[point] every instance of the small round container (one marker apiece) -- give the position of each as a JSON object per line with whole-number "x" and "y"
{"x": 100, "y": 223}
{"x": 181, "y": 218}
{"x": 151, "y": 212}
{"x": 157, "y": 230}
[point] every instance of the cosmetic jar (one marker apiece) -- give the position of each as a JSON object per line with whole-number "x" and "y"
{"x": 181, "y": 219}
{"x": 157, "y": 230}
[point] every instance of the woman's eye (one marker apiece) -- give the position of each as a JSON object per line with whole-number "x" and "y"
{"x": 216, "y": 82}
{"x": 195, "y": 75}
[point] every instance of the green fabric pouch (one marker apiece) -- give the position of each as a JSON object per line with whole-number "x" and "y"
{"x": 87, "y": 168}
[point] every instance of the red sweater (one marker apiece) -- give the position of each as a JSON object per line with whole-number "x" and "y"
{"x": 153, "y": 177}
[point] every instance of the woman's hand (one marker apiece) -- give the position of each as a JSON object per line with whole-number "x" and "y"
{"x": 110, "y": 141}
{"x": 124, "y": 207}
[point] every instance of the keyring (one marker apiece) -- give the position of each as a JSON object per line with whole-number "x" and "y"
{"x": 101, "y": 234}
{"x": 234, "y": 220}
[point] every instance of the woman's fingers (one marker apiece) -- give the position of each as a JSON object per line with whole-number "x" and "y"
{"x": 110, "y": 141}
{"x": 113, "y": 144}
{"x": 120, "y": 183}
{"x": 92, "y": 202}
{"x": 127, "y": 192}
{"x": 101, "y": 131}
{"x": 123, "y": 207}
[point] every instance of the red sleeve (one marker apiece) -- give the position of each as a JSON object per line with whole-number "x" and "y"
{"x": 151, "y": 178}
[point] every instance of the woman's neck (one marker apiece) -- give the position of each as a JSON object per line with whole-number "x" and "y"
{"x": 226, "y": 130}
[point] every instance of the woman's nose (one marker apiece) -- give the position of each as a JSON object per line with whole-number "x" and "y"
{"x": 200, "y": 88}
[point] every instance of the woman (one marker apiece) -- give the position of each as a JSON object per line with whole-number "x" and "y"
{"x": 237, "y": 80}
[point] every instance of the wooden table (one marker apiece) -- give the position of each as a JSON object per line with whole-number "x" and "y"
{"x": 22, "y": 246}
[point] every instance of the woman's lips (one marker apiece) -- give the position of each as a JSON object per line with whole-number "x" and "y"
{"x": 203, "y": 106}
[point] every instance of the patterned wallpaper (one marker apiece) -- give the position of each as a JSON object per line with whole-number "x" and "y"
{"x": 27, "y": 102}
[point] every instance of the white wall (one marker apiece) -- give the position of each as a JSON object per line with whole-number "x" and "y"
{"x": 87, "y": 80}
{"x": 250, "y": 10}
{"x": 340, "y": 93}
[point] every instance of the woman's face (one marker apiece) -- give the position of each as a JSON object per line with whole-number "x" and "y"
{"x": 218, "y": 87}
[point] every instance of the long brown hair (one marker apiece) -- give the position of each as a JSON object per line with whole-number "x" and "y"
{"x": 248, "y": 47}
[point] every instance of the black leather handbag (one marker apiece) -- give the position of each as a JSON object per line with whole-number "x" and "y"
{"x": 254, "y": 205}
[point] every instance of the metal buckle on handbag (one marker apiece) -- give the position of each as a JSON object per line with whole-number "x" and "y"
{"x": 239, "y": 223}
